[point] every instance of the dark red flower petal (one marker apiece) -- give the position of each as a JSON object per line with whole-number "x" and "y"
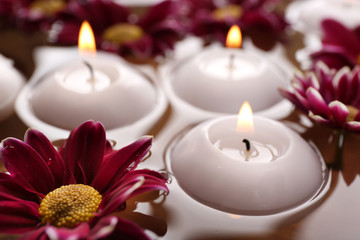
{"x": 134, "y": 183}
{"x": 21, "y": 160}
{"x": 84, "y": 150}
{"x": 337, "y": 34}
{"x": 339, "y": 113}
{"x": 104, "y": 227}
{"x": 18, "y": 217}
{"x": 10, "y": 188}
{"x": 120, "y": 162}
{"x": 318, "y": 105}
{"x": 40, "y": 143}
{"x": 353, "y": 126}
{"x": 124, "y": 228}
{"x": 158, "y": 13}
{"x": 292, "y": 98}
{"x": 79, "y": 232}
{"x": 38, "y": 234}
{"x": 333, "y": 56}
{"x": 99, "y": 13}
{"x": 148, "y": 174}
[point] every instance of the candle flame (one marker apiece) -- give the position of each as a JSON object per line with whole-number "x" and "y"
{"x": 86, "y": 39}
{"x": 234, "y": 38}
{"x": 245, "y": 122}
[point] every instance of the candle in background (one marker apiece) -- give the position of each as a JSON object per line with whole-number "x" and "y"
{"x": 101, "y": 88}
{"x": 11, "y": 82}
{"x": 263, "y": 172}
{"x": 218, "y": 78}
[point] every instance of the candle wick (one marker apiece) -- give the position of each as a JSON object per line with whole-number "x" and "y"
{"x": 231, "y": 65}
{"x": 91, "y": 70}
{"x": 247, "y": 144}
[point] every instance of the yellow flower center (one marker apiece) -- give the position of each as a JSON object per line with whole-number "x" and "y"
{"x": 353, "y": 111}
{"x": 123, "y": 33}
{"x": 48, "y": 7}
{"x": 69, "y": 205}
{"x": 234, "y": 11}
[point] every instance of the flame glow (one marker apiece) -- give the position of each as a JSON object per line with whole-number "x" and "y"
{"x": 233, "y": 216}
{"x": 234, "y": 38}
{"x": 86, "y": 39}
{"x": 245, "y": 122}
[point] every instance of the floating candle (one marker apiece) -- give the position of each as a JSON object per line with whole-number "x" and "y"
{"x": 277, "y": 172}
{"x": 218, "y": 78}
{"x": 102, "y": 88}
{"x": 11, "y": 82}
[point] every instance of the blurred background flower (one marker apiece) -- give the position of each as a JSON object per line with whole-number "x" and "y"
{"x": 119, "y": 30}
{"x": 258, "y": 19}
{"x": 340, "y": 45}
{"x": 31, "y": 15}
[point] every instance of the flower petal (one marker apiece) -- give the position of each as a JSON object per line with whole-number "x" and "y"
{"x": 40, "y": 143}
{"x": 134, "y": 183}
{"x": 286, "y": 93}
{"x": 10, "y": 188}
{"x": 353, "y": 126}
{"x": 333, "y": 56}
{"x": 18, "y": 217}
{"x": 38, "y": 234}
{"x": 319, "y": 119}
{"x": 337, "y": 34}
{"x": 121, "y": 161}
{"x": 316, "y": 103}
{"x": 153, "y": 176}
{"x": 104, "y": 227}
{"x": 23, "y": 162}
{"x": 157, "y": 14}
{"x": 80, "y": 232}
{"x": 124, "y": 228}
{"x": 340, "y": 83}
{"x": 84, "y": 151}
{"x": 339, "y": 113}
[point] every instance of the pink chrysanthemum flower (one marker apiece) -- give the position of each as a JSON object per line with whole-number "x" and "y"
{"x": 340, "y": 45}
{"x": 73, "y": 192}
{"x": 119, "y": 30}
{"x": 329, "y": 96}
{"x": 211, "y": 20}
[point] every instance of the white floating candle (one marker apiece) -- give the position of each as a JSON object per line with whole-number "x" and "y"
{"x": 217, "y": 79}
{"x": 103, "y": 88}
{"x": 279, "y": 171}
{"x": 118, "y": 95}
{"x": 11, "y": 82}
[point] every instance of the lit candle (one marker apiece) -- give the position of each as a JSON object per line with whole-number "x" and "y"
{"x": 263, "y": 172}
{"x": 11, "y": 82}
{"x": 306, "y": 16}
{"x": 102, "y": 88}
{"x": 218, "y": 78}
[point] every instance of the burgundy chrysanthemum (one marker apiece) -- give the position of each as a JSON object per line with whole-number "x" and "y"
{"x": 73, "y": 192}
{"x": 211, "y": 21}
{"x": 329, "y": 96}
{"x": 340, "y": 45}
{"x": 32, "y": 15}
{"x": 118, "y": 30}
